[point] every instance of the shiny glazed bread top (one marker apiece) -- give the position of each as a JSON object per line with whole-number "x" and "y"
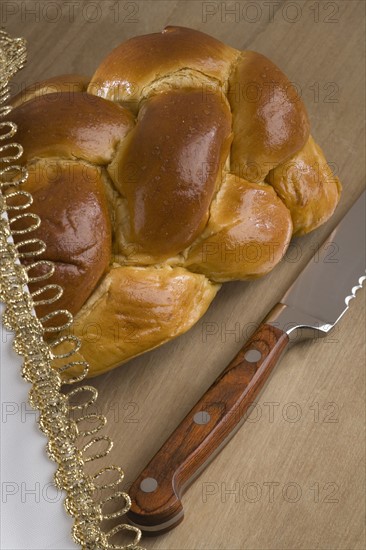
{"x": 182, "y": 164}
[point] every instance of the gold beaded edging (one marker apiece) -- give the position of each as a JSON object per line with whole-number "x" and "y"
{"x": 55, "y": 408}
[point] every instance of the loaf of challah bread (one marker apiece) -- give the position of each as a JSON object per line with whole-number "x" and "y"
{"x": 183, "y": 163}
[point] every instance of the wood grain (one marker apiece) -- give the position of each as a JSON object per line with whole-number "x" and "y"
{"x": 294, "y": 476}
{"x": 221, "y": 410}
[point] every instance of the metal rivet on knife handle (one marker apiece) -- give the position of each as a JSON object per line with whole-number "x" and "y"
{"x": 201, "y": 417}
{"x": 252, "y": 355}
{"x": 148, "y": 485}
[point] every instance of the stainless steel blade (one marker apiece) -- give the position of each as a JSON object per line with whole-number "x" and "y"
{"x": 321, "y": 293}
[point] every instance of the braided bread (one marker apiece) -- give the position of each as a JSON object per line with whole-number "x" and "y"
{"x": 183, "y": 163}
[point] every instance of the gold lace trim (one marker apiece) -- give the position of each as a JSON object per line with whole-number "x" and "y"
{"x": 56, "y": 408}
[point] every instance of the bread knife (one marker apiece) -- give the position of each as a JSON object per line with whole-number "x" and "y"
{"x": 311, "y": 307}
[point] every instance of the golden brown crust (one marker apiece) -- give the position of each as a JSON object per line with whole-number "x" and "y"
{"x": 307, "y": 187}
{"x": 248, "y": 233}
{"x": 65, "y": 83}
{"x": 270, "y": 123}
{"x": 129, "y": 68}
{"x": 169, "y": 176}
{"x": 137, "y": 309}
{"x": 71, "y": 126}
{"x": 168, "y": 192}
{"x": 75, "y": 226}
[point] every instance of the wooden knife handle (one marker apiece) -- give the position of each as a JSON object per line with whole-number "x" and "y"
{"x": 156, "y": 505}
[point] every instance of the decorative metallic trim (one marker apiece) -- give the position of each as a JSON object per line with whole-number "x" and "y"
{"x": 56, "y": 409}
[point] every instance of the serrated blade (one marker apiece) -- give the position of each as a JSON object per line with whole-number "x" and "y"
{"x": 330, "y": 280}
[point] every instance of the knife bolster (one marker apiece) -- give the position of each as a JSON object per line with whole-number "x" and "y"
{"x": 297, "y": 324}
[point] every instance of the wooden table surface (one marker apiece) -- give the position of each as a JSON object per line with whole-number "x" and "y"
{"x": 294, "y": 475}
